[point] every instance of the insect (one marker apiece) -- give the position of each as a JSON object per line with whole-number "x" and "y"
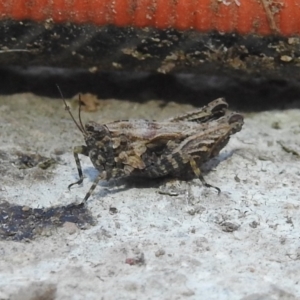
{"x": 151, "y": 149}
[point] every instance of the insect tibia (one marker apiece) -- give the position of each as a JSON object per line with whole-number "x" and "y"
{"x": 79, "y": 150}
{"x": 197, "y": 172}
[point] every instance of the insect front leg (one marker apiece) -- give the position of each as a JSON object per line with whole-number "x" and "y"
{"x": 198, "y": 173}
{"x": 101, "y": 176}
{"x": 79, "y": 150}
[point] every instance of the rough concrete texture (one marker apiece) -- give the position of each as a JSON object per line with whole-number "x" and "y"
{"x": 153, "y": 240}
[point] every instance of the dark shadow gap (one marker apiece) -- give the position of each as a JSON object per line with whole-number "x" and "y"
{"x": 251, "y": 95}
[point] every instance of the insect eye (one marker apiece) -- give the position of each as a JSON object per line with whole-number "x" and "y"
{"x": 236, "y": 118}
{"x": 91, "y": 126}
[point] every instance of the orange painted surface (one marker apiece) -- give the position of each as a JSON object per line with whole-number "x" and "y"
{"x": 245, "y": 20}
{"x": 143, "y": 15}
{"x": 79, "y": 11}
{"x": 185, "y": 14}
{"x": 241, "y": 16}
{"x": 122, "y": 12}
{"x": 204, "y": 15}
{"x": 163, "y": 14}
{"x": 17, "y": 10}
{"x": 289, "y": 18}
{"x": 98, "y": 12}
{"x": 223, "y": 13}
{"x": 42, "y": 10}
{"x": 59, "y": 11}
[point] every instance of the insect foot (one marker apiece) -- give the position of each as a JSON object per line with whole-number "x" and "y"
{"x": 150, "y": 149}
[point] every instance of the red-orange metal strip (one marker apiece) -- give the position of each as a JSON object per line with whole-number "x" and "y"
{"x": 59, "y": 11}
{"x": 163, "y": 18}
{"x": 17, "y": 9}
{"x": 98, "y": 13}
{"x": 288, "y": 16}
{"x": 144, "y": 13}
{"x": 79, "y": 11}
{"x": 241, "y": 16}
{"x": 204, "y": 15}
{"x": 223, "y": 20}
{"x": 244, "y": 18}
{"x": 39, "y": 10}
{"x": 123, "y": 11}
{"x": 185, "y": 14}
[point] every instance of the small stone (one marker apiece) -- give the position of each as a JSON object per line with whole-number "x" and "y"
{"x": 25, "y": 208}
{"x": 70, "y": 227}
{"x": 160, "y": 252}
{"x": 286, "y": 58}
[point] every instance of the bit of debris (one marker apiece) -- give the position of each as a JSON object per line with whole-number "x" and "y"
{"x": 168, "y": 192}
{"x": 113, "y": 210}
{"x": 237, "y": 2}
{"x": 138, "y": 260}
{"x": 286, "y": 58}
{"x": 27, "y": 161}
{"x": 254, "y": 224}
{"x": 160, "y": 252}
{"x": 89, "y": 102}
{"x": 229, "y": 226}
{"x": 198, "y": 209}
{"x": 276, "y": 125}
{"x": 288, "y": 149}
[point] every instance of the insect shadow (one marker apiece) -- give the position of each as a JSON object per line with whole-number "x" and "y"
{"x": 117, "y": 185}
{"x": 214, "y": 162}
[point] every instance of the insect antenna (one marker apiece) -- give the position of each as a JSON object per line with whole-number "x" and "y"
{"x": 67, "y": 107}
{"x": 79, "y": 113}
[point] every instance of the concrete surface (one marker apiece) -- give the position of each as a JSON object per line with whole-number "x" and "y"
{"x": 154, "y": 240}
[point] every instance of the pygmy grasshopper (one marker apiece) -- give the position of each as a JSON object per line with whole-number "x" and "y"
{"x": 151, "y": 149}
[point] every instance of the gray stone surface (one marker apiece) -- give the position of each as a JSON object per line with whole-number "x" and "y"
{"x": 190, "y": 243}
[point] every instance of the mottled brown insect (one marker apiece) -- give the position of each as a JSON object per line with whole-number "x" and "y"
{"x": 141, "y": 148}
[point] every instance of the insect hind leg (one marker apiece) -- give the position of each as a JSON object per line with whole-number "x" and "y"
{"x": 79, "y": 150}
{"x": 198, "y": 173}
